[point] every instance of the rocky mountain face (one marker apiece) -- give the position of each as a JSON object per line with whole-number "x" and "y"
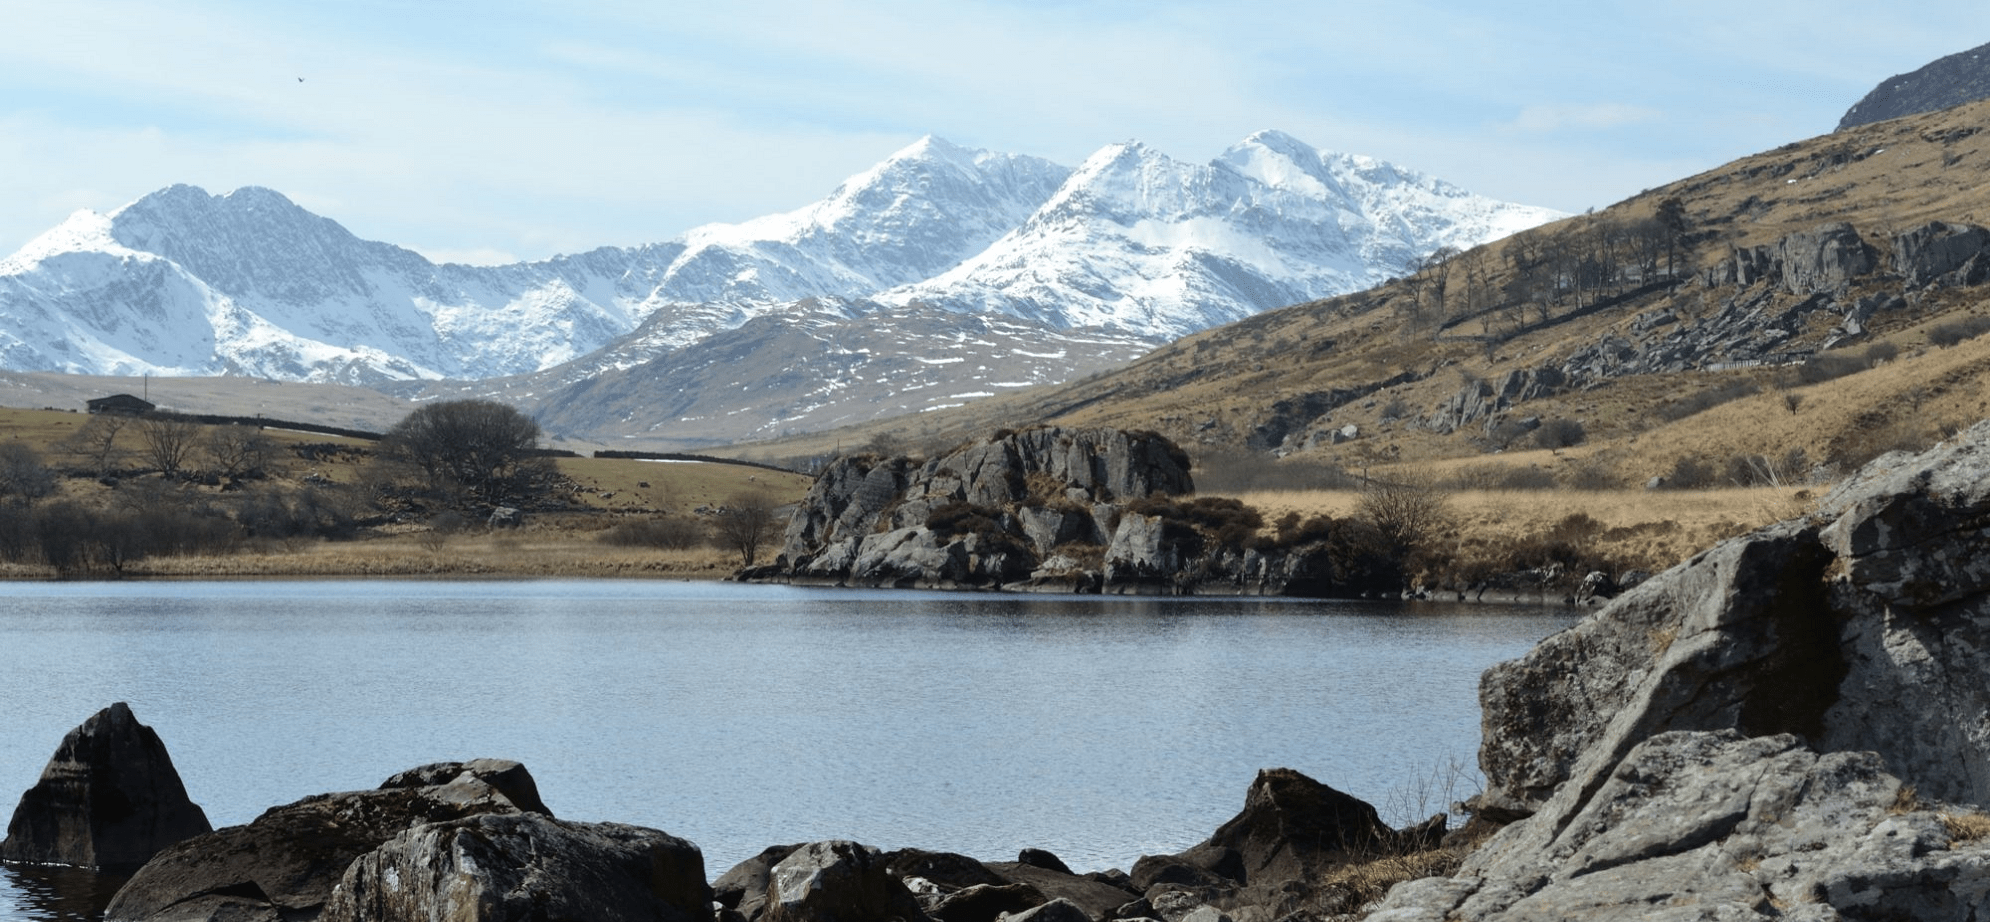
{"x": 1951, "y": 81}
{"x": 1132, "y": 243}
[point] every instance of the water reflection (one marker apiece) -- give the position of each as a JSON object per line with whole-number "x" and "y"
{"x": 56, "y": 894}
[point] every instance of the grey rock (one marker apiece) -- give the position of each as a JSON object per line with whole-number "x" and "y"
{"x": 1941, "y": 252}
{"x": 837, "y": 881}
{"x": 1815, "y": 627}
{"x": 506, "y": 517}
{"x": 1098, "y": 900}
{"x": 108, "y": 799}
{"x": 864, "y": 521}
{"x": 1053, "y": 911}
{"x": 744, "y": 887}
{"x": 524, "y": 866}
{"x": 986, "y": 902}
{"x": 1712, "y": 825}
{"x": 1825, "y": 258}
{"x": 287, "y": 860}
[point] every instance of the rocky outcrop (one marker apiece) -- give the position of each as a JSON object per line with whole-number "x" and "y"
{"x": 524, "y": 866}
{"x": 1823, "y": 259}
{"x": 109, "y": 799}
{"x": 1054, "y": 510}
{"x": 1736, "y": 734}
{"x": 1941, "y": 253}
{"x": 1947, "y": 81}
{"x": 1713, "y": 825}
{"x": 1482, "y": 403}
{"x": 286, "y": 862}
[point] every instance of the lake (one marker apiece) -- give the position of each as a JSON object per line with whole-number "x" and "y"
{"x": 745, "y": 716}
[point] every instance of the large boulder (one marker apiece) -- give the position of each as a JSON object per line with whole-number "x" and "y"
{"x": 1712, "y": 825}
{"x": 524, "y": 866}
{"x": 108, "y": 799}
{"x": 1795, "y": 722}
{"x": 1820, "y": 626}
{"x": 285, "y": 863}
{"x": 837, "y": 881}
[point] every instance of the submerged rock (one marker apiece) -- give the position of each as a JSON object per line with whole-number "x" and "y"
{"x": 109, "y": 799}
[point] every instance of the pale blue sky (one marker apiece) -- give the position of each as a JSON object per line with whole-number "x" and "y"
{"x": 507, "y": 129}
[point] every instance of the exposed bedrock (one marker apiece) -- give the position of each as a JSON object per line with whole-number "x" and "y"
{"x": 1796, "y": 721}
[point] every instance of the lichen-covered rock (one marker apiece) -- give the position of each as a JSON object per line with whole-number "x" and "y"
{"x": 285, "y": 863}
{"x": 1712, "y": 825}
{"x": 108, "y": 799}
{"x": 524, "y": 866}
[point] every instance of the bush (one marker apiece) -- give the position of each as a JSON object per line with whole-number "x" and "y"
{"x": 1231, "y": 471}
{"x": 666, "y": 532}
{"x": 1830, "y": 366}
{"x": 1689, "y": 473}
{"x": 1952, "y": 332}
{"x": 1707, "y": 399}
{"x": 1559, "y": 433}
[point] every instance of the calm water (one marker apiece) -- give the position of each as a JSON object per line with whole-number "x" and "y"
{"x": 745, "y": 716}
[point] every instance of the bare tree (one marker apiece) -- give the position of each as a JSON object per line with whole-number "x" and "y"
{"x": 96, "y": 442}
{"x": 167, "y": 441}
{"x": 1405, "y": 514}
{"x": 745, "y": 523}
{"x": 485, "y": 448}
{"x": 237, "y": 451}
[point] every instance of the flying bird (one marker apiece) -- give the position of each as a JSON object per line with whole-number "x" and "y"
{"x": 300, "y": 80}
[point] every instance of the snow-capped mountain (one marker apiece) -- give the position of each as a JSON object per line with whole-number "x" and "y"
{"x": 1139, "y": 241}
{"x": 182, "y": 282}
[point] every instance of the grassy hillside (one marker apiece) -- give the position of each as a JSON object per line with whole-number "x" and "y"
{"x": 322, "y": 505}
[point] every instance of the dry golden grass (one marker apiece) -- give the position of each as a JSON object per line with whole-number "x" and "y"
{"x": 1646, "y": 529}
{"x": 1966, "y": 827}
{"x": 551, "y": 544}
{"x": 524, "y": 553}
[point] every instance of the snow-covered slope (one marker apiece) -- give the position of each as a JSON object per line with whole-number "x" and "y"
{"x": 187, "y": 283}
{"x": 1139, "y": 241}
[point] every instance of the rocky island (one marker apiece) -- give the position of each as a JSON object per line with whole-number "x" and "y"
{"x": 1793, "y": 724}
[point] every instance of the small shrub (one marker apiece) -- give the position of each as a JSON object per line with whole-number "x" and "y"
{"x": 664, "y": 532}
{"x": 1689, "y": 473}
{"x": 1829, "y": 366}
{"x": 1707, "y": 399}
{"x": 1559, "y": 433}
{"x": 1880, "y": 353}
{"x": 1953, "y": 332}
{"x": 958, "y": 518}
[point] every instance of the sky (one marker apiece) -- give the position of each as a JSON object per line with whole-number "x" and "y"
{"x": 500, "y": 130}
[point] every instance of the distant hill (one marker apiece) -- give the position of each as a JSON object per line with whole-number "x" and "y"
{"x": 1950, "y": 81}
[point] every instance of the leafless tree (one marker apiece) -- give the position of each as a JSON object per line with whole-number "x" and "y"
{"x": 239, "y": 450}
{"x": 746, "y": 522}
{"x": 1404, "y": 513}
{"x": 96, "y": 442}
{"x": 167, "y": 441}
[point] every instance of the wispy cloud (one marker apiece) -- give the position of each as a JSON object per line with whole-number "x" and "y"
{"x": 1590, "y": 117}
{"x": 511, "y": 127}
